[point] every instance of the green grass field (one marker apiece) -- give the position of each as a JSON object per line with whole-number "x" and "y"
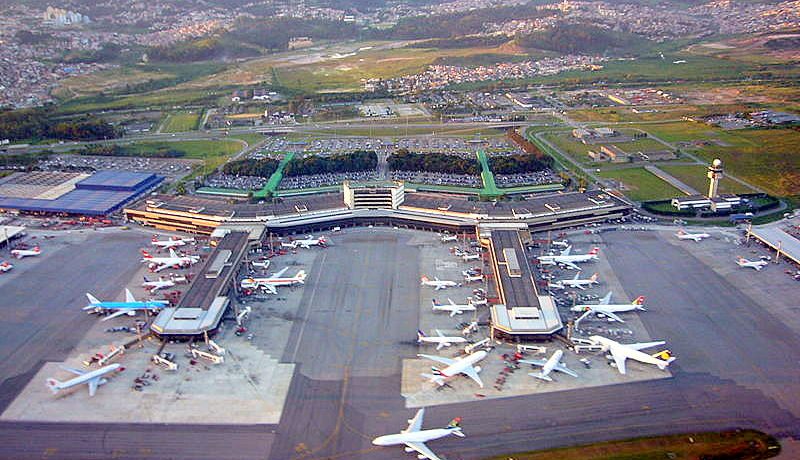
{"x": 251, "y": 139}
{"x": 695, "y": 177}
{"x": 641, "y": 185}
{"x": 180, "y": 122}
{"x": 740, "y": 444}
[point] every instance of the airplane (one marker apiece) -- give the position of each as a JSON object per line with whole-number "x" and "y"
{"x": 5, "y": 266}
{"x": 264, "y": 264}
{"x": 560, "y": 244}
{"x": 551, "y": 364}
{"x": 93, "y": 378}
{"x": 436, "y": 283}
{"x": 467, "y": 257}
{"x": 605, "y": 308}
{"x": 569, "y": 260}
{"x": 414, "y": 437}
{"x": 446, "y": 238}
{"x": 20, "y": 253}
{"x": 622, "y": 351}
{"x": 271, "y": 282}
{"x": 454, "y": 367}
{"x": 452, "y": 307}
{"x": 575, "y": 282}
{"x": 128, "y": 307}
{"x": 756, "y": 264}
{"x": 473, "y": 278}
{"x": 160, "y": 283}
{"x": 684, "y": 235}
{"x": 170, "y": 243}
{"x": 307, "y": 243}
{"x": 440, "y": 339}
{"x": 174, "y": 260}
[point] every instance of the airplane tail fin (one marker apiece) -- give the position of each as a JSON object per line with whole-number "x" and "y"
{"x": 639, "y": 301}
{"x": 301, "y": 276}
{"x": 681, "y": 232}
{"x": 54, "y": 385}
{"x": 455, "y": 423}
{"x": 424, "y": 279}
{"x": 593, "y": 278}
{"x": 541, "y": 376}
{"x": 437, "y": 379}
{"x": 420, "y": 335}
{"x": 146, "y": 254}
{"x": 92, "y": 299}
{"x": 36, "y": 249}
{"x": 434, "y": 303}
{"x": 594, "y": 251}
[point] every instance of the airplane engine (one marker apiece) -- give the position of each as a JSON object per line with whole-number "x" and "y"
{"x": 477, "y": 368}
{"x": 421, "y": 457}
{"x": 131, "y": 313}
{"x": 102, "y": 382}
{"x": 408, "y": 449}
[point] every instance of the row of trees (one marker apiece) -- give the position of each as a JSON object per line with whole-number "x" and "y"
{"x": 519, "y": 164}
{"x": 348, "y": 162}
{"x": 251, "y": 167}
{"x": 404, "y": 160}
{"x": 121, "y": 151}
{"x": 203, "y": 49}
{"x": 38, "y": 124}
{"x": 580, "y": 38}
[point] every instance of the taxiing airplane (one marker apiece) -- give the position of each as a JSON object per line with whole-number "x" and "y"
{"x": 439, "y": 339}
{"x": 272, "y": 282}
{"x": 307, "y": 243}
{"x": 93, "y": 378}
{"x": 607, "y": 309}
{"x": 436, "y": 283}
{"x": 452, "y": 307}
{"x": 5, "y": 266}
{"x": 446, "y": 238}
{"x": 414, "y": 437}
{"x": 174, "y": 260}
{"x": 568, "y": 260}
{"x": 684, "y": 235}
{"x": 160, "y": 283}
{"x": 549, "y": 365}
{"x": 454, "y": 367}
{"x": 620, "y": 352}
{"x": 20, "y": 253}
{"x": 575, "y": 282}
{"x": 128, "y": 307}
{"x": 173, "y": 242}
{"x": 755, "y": 264}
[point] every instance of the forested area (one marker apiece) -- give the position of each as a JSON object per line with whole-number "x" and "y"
{"x": 33, "y": 124}
{"x": 348, "y": 162}
{"x": 518, "y": 164}
{"x": 404, "y": 160}
{"x": 251, "y": 167}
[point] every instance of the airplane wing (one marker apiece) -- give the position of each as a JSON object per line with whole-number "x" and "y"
{"x": 473, "y": 374}
{"x": 566, "y": 251}
{"x": 606, "y": 299}
{"x": 571, "y": 265}
{"x": 451, "y": 301}
{"x": 454, "y": 312}
{"x": 643, "y": 345}
{"x": 587, "y": 313}
{"x": 439, "y": 333}
{"x": 115, "y": 314}
{"x": 129, "y": 296}
{"x": 423, "y": 450}
{"x": 161, "y": 267}
{"x": 579, "y": 286}
{"x": 535, "y": 362}
{"x": 575, "y": 278}
{"x": 73, "y": 370}
{"x": 438, "y": 287}
{"x": 93, "y": 384}
{"x": 612, "y": 316}
{"x": 270, "y": 288}
{"x": 440, "y": 359}
{"x": 565, "y": 369}
{"x": 415, "y": 424}
{"x": 619, "y": 360}
{"x": 442, "y": 345}
{"x": 279, "y": 273}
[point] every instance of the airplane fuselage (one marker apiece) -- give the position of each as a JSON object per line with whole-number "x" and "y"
{"x": 464, "y": 363}
{"x": 415, "y": 436}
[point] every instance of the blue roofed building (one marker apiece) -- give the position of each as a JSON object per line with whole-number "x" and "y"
{"x": 69, "y": 193}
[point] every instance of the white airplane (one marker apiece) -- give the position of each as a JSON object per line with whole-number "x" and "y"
{"x": 5, "y": 266}
{"x": 271, "y": 282}
{"x": 128, "y": 307}
{"x": 160, "y": 283}
{"x": 446, "y": 238}
{"x": 307, "y": 243}
{"x": 569, "y": 260}
{"x": 20, "y": 253}
{"x": 173, "y": 242}
{"x": 551, "y": 364}
{"x": 263, "y": 264}
{"x": 454, "y": 367}
{"x": 561, "y": 244}
{"x": 622, "y": 351}
{"x": 605, "y": 308}
{"x": 93, "y": 378}
{"x": 755, "y": 264}
{"x": 452, "y": 307}
{"x": 575, "y": 282}
{"x": 174, "y": 260}
{"x": 436, "y": 283}
{"x": 414, "y": 437}
{"x": 440, "y": 339}
{"x": 473, "y": 278}
{"x": 468, "y": 257}
{"x": 684, "y": 235}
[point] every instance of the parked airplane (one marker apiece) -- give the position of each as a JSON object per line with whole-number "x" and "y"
{"x": 622, "y": 351}
{"x": 575, "y": 282}
{"x": 452, "y": 307}
{"x": 756, "y": 264}
{"x": 439, "y": 339}
{"x": 173, "y": 242}
{"x": 684, "y": 235}
{"x": 472, "y": 278}
{"x": 551, "y": 364}
{"x": 414, "y": 437}
{"x": 174, "y": 260}
{"x": 446, "y": 238}
{"x": 5, "y": 266}
{"x": 454, "y": 367}
{"x": 468, "y": 257}
{"x": 436, "y": 283}
{"x": 128, "y": 307}
{"x": 263, "y": 264}
{"x": 568, "y": 260}
{"x": 306, "y": 243}
{"x": 160, "y": 283}
{"x": 605, "y": 308}
{"x": 20, "y": 253}
{"x": 93, "y": 378}
{"x": 271, "y": 282}
{"x": 560, "y": 244}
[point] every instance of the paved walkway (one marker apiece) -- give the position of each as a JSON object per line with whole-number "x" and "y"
{"x": 667, "y": 177}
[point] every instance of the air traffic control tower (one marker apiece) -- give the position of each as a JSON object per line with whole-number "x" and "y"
{"x": 714, "y": 175}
